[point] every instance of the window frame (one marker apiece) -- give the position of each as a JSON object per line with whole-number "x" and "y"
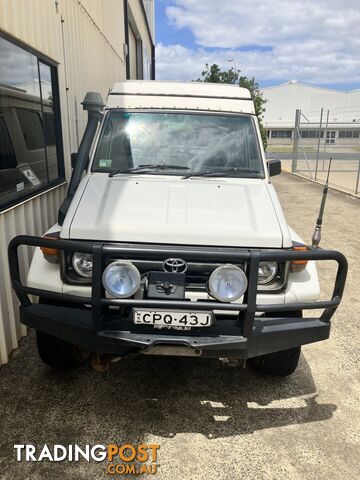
{"x": 311, "y": 134}
{"x": 285, "y": 135}
{"x": 53, "y": 65}
{"x": 348, "y": 134}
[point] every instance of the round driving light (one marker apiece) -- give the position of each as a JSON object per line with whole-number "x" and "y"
{"x": 121, "y": 279}
{"x": 83, "y": 263}
{"x": 227, "y": 283}
{"x": 267, "y": 272}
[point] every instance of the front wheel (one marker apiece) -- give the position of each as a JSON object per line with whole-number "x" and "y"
{"x": 277, "y": 364}
{"x": 57, "y": 353}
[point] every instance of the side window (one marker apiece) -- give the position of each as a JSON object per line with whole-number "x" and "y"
{"x": 32, "y": 128}
{"x": 30, "y": 124}
{"x": 7, "y": 154}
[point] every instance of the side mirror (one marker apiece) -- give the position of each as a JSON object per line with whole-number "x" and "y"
{"x": 274, "y": 167}
{"x": 74, "y": 158}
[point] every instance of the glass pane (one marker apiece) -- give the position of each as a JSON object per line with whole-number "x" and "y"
{"x": 196, "y": 142}
{"x": 7, "y": 154}
{"x": 146, "y": 64}
{"x": 31, "y": 126}
{"x": 46, "y": 82}
{"x": 23, "y": 166}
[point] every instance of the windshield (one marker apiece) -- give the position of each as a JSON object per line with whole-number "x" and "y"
{"x": 183, "y": 143}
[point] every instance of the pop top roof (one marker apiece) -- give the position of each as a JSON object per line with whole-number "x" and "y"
{"x": 184, "y": 96}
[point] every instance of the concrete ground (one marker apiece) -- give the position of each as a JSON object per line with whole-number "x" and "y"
{"x": 345, "y": 167}
{"x": 211, "y": 421}
{"x": 344, "y": 175}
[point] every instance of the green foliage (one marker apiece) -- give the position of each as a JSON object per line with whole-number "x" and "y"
{"x": 214, "y": 74}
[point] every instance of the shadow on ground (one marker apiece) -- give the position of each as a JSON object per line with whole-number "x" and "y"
{"x": 150, "y": 395}
{"x": 142, "y": 396}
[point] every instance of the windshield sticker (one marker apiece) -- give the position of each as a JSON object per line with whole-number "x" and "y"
{"x": 30, "y": 175}
{"x": 105, "y": 163}
{"x": 20, "y": 186}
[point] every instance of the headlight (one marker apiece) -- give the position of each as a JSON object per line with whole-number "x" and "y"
{"x": 227, "y": 283}
{"x": 121, "y": 279}
{"x": 83, "y": 264}
{"x": 267, "y": 272}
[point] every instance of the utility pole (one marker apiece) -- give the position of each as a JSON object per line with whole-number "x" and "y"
{"x": 326, "y": 128}
{"x": 318, "y": 147}
{"x": 234, "y": 62}
{"x": 296, "y": 141}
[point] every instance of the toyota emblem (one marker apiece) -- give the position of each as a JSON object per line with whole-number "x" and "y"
{"x": 175, "y": 265}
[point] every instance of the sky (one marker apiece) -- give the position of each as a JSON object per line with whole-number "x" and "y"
{"x": 311, "y": 41}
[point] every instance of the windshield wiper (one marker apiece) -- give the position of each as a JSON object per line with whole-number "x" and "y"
{"x": 145, "y": 168}
{"x": 218, "y": 172}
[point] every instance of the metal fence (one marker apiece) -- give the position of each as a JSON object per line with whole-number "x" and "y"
{"x": 314, "y": 141}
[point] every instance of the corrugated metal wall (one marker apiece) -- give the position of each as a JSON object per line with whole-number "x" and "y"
{"x": 86, "y": 39}
{"x": 32, "y": 217}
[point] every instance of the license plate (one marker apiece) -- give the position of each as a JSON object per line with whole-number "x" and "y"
{"x": 172, "y": 319}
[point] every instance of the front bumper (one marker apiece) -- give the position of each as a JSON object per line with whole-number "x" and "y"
{"x": 104, "y": 325}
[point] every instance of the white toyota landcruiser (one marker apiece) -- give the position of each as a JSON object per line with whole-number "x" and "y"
{"x": 171, "y": 240}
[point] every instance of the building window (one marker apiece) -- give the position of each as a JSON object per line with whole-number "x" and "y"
{"x": 146, "y": 64}
{"x": 149, "y": 11}
{"x": 330, "y": 136}
{"x": 280, "y": 133}
{"x": 7, "y": 154}
{"x": 349, "y": 133}
{"x": 311, "y": 134}
{"x": 31, "y": 157}
{"x": 135, "y": 52}
{"x": 31, "y": 128}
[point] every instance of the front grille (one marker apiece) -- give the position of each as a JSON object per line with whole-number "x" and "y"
{"x": 197, "y": 274}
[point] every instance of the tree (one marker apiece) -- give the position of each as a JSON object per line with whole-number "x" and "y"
{"x": 214, "y": 74}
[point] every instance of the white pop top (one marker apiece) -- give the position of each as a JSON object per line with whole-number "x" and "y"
{"x": 180, "y": 96}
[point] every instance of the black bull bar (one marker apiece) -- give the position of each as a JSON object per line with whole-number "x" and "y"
{"x": 89, "y": 327}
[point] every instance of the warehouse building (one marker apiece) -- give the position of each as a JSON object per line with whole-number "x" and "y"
{"x": 51, "y": 53}
{"x": 331, "y": 115}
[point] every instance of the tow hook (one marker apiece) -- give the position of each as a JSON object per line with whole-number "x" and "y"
{"x": 233, "y": 362}
{"x": 102, "y": 363}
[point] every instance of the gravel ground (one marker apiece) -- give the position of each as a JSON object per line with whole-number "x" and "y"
{"x": 211, "y": 421}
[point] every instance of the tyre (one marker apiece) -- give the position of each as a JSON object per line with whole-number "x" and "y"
{"x": 57, "y": 353}
{"x": 277, "y": 364}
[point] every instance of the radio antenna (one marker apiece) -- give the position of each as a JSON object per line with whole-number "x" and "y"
{"x": 317, "y": 232}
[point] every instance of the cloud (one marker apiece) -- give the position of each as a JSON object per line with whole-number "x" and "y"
{"x": 316, "y": 42}
{"x": 17, "y": 65}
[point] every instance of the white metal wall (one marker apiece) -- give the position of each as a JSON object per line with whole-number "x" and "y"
{"x": 283, "y": 100}
{"x": 86, "y": 39}
{"x": 32, "y": 217}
